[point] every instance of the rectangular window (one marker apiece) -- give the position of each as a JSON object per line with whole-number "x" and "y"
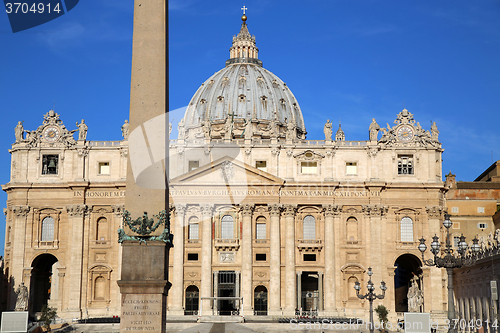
{"x": 261, "y": 165}
{"x": 454, "y": 209}
{"x": 456, "y": 225}
{"x": 405, "y": 165}
{"x": 192, "y": 256}
{"x": 351, "y": 168}
{"x": 480, "y": 209}
{"x": 193, "y": 165}
{"x": 482, "y": 225}
{"x": 456, "y": 241}
{"x": 260, "y": 231}
{"x": 227, "y": 229}
{"x": 309, "y": 167}
{"x": 193, "y": 231}
{"x": 50, "y": 164}
{"x": 104, "y": 168}
{"x": 260, "y": 257}
{"x": 309, "y": 257}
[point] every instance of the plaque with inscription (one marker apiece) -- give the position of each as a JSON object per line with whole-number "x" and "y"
{"x": 15, "y": 321}
{"x": 141, "y": 313}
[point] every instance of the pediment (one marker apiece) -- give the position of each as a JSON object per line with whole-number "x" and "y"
{"x": 309, "y": 155}
{"x": 227, "y": 171}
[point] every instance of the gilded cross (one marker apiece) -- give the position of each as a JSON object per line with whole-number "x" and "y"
{"x": 244, "y": 9}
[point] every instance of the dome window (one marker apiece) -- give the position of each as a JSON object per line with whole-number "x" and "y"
{"x": 242, "y": 98}
{"x": 220, "y": 99}
{"x": 211, "y": 82}
{"x": 260, "y": 80}
{"x": 203, "y": 101}
{"x": 275, "y": 84}
{"x": 225, "y": 81}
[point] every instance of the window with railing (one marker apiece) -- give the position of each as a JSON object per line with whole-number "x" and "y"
{"x": 406, "y": 229}
{"x": 227, "y": 227}
{"x": 309, "y": 227}
{"x": 47, "y": 234}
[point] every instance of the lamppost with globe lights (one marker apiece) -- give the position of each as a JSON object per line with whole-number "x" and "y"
{"x": 370, "y": 296}
{"x": 449, "y": 260}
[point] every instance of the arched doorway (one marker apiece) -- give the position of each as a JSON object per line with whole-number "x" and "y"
{"x": 408, "y": 267}
{"x": 260, "y": 301}
{"x": 192, "y": 300}
{"x": 41, "y": 281}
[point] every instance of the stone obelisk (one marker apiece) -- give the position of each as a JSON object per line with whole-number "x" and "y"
{"x": 144, "y": 278}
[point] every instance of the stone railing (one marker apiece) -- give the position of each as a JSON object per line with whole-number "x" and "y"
{"x": 222, "y": 244}
{"x": 104, "y": 143}
{"x": 310, "y": 244}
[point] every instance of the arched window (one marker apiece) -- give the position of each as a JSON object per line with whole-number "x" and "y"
{"x": 193, "y": 228}
{"x": 352, "y": 229}
{"x": 192, "y": 300}
{"x": 260, "y": 301}
{"x": 102, "y": 229}
{"x": 350, "y": 287}
{"x": 227, "y": 227}
{"x": 309, "y": 231}
{"x": 99, "y": 288}
{"x": 406, "y": 229}
{"x": 47, "y": 229}
{"x": 260, "y": 228}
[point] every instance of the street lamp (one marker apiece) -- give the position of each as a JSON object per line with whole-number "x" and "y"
{"x": 449, "y": 260}
{"x": 370, "y": 296}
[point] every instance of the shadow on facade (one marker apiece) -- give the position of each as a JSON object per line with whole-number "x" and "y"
{"x": 408, "y": 266}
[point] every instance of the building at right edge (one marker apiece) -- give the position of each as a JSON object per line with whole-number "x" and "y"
{"x": 475, "y": 211}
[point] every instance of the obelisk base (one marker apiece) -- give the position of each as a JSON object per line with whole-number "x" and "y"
{"x": 143, "y": 287}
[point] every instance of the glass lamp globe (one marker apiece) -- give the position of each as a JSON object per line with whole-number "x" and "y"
{"x": 370, "y": 273}
{"x": 447, "y": 222}
{"x": 357, "y": 286}
{"x": 422, "y": 247}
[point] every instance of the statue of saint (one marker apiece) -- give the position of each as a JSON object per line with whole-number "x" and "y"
{"x": 206, "y": 128}
{"x": 248, "y": 130}
{"x": 415, "y": 296}
{"x": 434, "y": 131}
{"x": 125, "y": 129}
{"x": 82, "y": 130}
{"x": 19, "y": 131}
{"x": 181, "y": 129}
{"x": 373, "y": 130}
{"x": 22, "y": 298}
{"x": 328, "y": 130}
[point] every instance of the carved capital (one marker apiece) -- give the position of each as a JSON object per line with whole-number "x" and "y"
{"x": 77, "y": 210}
{"x": 332, "y": 210}
{"x": 123, "y": 152}
{"x": 247, "y": 209}
{"x": 375, "y": 210}
{"x": 180, "y": 150}
{"x": 248, "y": 150}
{"x": 179, "y": 209}
{"x": 5, "y": 211}
{"x": 207, "y": 151}
{"x": 275, "y": 150}
{"x": 434, "y": 211}
{"x": 289, "y": 152}
{"x": 275, "y": 209}
{"x": 21, "y": 211}
{"x": 83, "y": 152}
{"x": 289, "y": 210}
{"x": 118, "y": 209}
{"x": 207, "y": 209}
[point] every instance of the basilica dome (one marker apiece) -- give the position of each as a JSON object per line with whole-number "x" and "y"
{"x": 241, "y": 93}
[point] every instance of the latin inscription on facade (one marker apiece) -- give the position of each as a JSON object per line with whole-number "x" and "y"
{"x": 306, "y": 193}
{"x": 99, "y": 194}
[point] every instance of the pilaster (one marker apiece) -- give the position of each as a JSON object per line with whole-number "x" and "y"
{"x": 18, "y": 241}
{"x": 329, "y": 286}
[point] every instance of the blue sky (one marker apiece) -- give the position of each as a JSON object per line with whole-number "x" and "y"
{"x": 344, "y": 60}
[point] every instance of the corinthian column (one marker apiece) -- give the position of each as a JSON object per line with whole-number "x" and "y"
{"x": 275, "y": 263}
{"x": 290, "y": 259}
{"x": 246, "y": 259}
{"x": 178, "y": 269}
{"x": 329, "y": 285}
{"x": 76, "y": 219}
{"x": 206, "y": 256}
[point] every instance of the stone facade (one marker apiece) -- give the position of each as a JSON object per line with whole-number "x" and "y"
{"x": 65, "y": 199}
{"x": 258, "y": 212}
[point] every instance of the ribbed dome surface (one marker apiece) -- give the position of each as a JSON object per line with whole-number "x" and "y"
{"x": 246, "y": 90}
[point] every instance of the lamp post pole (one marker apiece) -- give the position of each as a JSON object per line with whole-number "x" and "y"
{"x": 370, "y": 295}
{"x": 449, "y": 260}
